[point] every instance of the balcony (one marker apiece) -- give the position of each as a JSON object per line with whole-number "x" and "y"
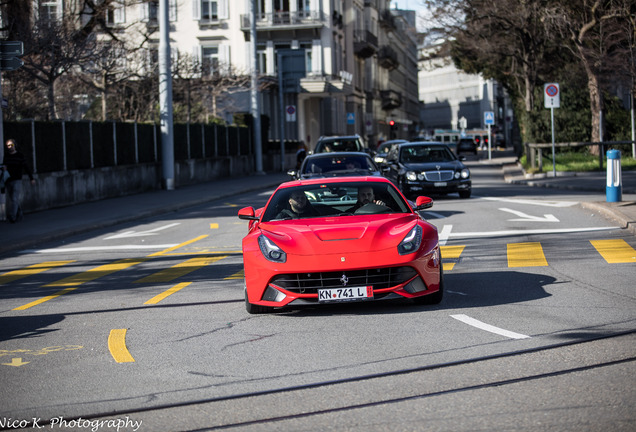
{"x": 365, "y": 43}
{"x": 284, "y": 20}
{"x": 387, "y": 58}
{"x": 390, "y": 99}
{"x": 387, "y": 20}
{"x": 325, "y": 85}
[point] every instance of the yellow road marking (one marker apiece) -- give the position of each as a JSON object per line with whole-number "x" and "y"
{"x": 156, "y": 299}
{"x": 526, "y": 255}
{"x": 450, "y": 252}
{"x": 178, "y": 246}
{"x": 117, "y": 346}
{"x": 97, "y": 272}
{"x": 615, "y": 251}
{"x": 238, "y": 275}
{"x": 181, "y": 269}
{"x": 214, "y": 226}
{"x": 45, "y": 299}
{"x": 31, "y": 270}
{"x": 16, "y": 362}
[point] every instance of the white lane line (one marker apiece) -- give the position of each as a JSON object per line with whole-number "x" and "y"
{"x": 487, "y": 327}
{"x": 99, "y": 248}
{"x": 468, "y": 235}
{"x": 445, "y": 234}
{"x": 534, "y": 202}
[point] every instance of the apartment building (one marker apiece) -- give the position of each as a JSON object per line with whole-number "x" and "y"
{"x": 334, "y": 66}
{"x": 452, "y": 98}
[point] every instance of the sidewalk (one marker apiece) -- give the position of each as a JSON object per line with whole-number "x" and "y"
{"x": 59, "y": 223}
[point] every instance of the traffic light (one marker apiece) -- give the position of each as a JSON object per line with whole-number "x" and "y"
{"x": 392, "y": 124}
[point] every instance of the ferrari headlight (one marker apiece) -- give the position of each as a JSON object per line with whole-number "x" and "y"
{"x": 411, "y": 242}
{"x": 411, "y": 176}
{"x": 465, "y": 173}
{"x": 271, "y": 251}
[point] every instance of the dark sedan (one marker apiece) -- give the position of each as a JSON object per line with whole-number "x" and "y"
{"x": 427, "y": 167}
{"x": 336, "y": 165}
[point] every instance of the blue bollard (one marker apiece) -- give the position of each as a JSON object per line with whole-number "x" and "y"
{"x": 613, "y": 190}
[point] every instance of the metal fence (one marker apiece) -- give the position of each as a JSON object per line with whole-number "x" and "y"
{"x": 64, "y": 146}
{"x": 534, "y": 151}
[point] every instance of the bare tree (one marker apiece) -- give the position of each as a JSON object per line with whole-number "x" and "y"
{"x": 594, "y": 32}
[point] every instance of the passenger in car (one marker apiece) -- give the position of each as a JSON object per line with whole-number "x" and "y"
{"x": 299, "y": 207}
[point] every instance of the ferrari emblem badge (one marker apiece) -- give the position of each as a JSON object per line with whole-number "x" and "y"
{"x": 344, "y": 279}
{"x": 342, "y": 259}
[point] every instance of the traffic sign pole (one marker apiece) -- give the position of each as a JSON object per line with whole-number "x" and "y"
{"x": 552, "y": 100}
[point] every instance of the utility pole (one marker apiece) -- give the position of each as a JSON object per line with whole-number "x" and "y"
{"x": 165, "y": 97}
{"x": 256, "y": 112}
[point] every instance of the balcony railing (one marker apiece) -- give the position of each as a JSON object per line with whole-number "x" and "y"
{"x": 284, "y": 20}
{"x": 388, "y": 58}
{"x": 365, "y": 43}
{"x": 390, "y": 99}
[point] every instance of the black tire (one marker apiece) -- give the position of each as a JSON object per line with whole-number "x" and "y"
{"x": 435, "y": 298}
{"x": 256, "y": 309}
{"x": 465, "y": 193}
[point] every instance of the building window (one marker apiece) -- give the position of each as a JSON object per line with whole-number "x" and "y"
{"x": 49, "y": 10}
{"x": 150, "y": 11}
{"x": 209, "y": 10}
{"x": 210, "y": 60}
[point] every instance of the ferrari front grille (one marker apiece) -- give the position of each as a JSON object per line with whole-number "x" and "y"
{"x": 438, "y": 175}
{"x": 379, "y": 278}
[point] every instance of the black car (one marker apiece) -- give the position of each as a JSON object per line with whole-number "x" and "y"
{"x": 336, "y": 164}
{"x": 419, "y": 168}
{"x": 383, "y": 149}
{"x": 340, "y": 144}
{"x": 466, "y": 145}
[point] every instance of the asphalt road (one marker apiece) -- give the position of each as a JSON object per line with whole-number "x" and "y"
{"x": 142, "y": 326}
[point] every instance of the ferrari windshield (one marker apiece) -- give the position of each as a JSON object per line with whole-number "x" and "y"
{"x": 425, "y": 154}
{"x": 335, "y": 199}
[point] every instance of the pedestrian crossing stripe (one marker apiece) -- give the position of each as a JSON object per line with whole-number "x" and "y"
{"x": 526, "y": 255}
{"x": 615, "y": 251}
{"x": 236, "y": 276}
{"x": 181, "y": 269}
{"x": 450, "y": 252}
{"x": 31, "y": 270}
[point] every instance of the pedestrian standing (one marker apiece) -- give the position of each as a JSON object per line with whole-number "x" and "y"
{"x": 16, "y": 165}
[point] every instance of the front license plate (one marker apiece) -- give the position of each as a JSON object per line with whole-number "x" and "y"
{"x": 345, "y": 294}
{"x": 441, "y": 184}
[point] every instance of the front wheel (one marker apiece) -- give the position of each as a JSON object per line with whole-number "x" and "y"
{"x": 256, "y": 309}
{"x": 464, "y": 193}
{"x": 435, "y": 298}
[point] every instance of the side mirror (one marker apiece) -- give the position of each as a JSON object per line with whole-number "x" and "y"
{"x": 292, "y": 173}
{"x": 247, "y": 213}
{"x": 423, "y": 202}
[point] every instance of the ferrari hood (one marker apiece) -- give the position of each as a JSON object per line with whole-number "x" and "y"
{"x": 340, "y": 234}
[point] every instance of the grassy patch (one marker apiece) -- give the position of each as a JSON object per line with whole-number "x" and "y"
{"x": 577, "y": 162}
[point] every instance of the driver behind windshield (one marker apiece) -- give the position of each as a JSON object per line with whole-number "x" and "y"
{"x": 366, "y": 195}
{"x": 299, "y": 207}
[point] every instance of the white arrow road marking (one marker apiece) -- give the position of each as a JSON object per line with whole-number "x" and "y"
{"x": 534, "y": 202}
{"x": 141, "y": 233}
{"x": 487, "y": 327}
{"x": 445, "y": 234}
{"x": 523, "y": 217}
